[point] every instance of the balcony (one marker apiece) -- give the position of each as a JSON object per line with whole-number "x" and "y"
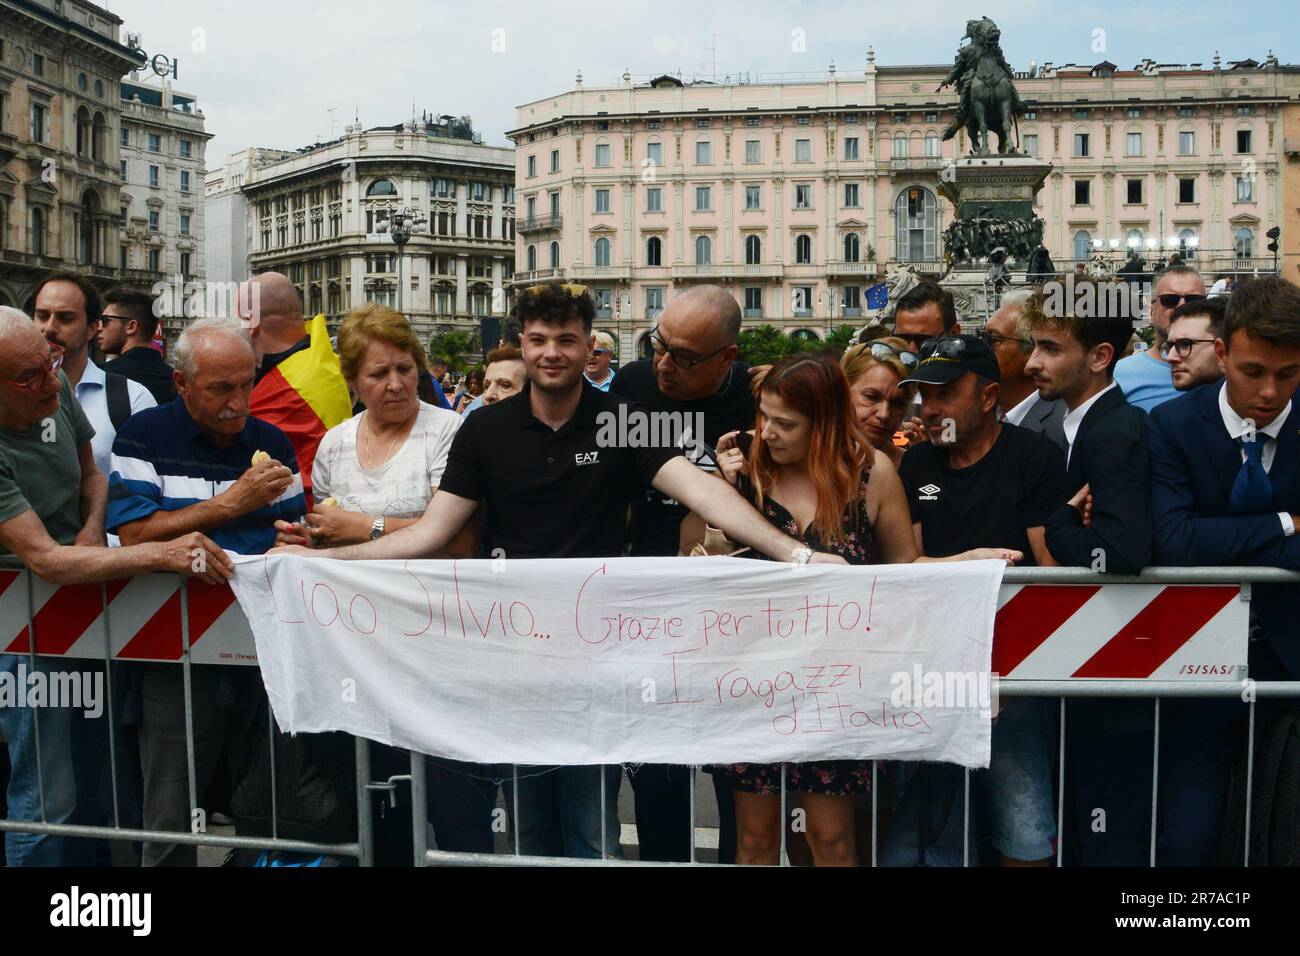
{"x": 598, "y": 273}
{"x": 916, "y": 164}
{"x": 837, "y": 268}
{"x": 729, "y": 270}
{"x": 538, "y": 223}
{"x": 537, "y": 275}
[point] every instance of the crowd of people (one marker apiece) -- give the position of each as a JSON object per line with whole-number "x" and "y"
{"x": 1043, "y": 439}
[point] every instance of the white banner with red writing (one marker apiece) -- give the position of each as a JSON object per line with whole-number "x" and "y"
{"x": 653, "y": 660}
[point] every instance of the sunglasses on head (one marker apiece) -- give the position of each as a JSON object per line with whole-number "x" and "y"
{"x": 883, "y": 352}
{"x": 570, "y": 288}
{"x": 1172, "y": 300}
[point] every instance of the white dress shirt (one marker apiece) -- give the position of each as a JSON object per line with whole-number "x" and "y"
{"x": 1237, "y": 427}
{"x": 94, "y": 402}
{"x": 1017, "y": 414}
{"x": 1073, "y": 419}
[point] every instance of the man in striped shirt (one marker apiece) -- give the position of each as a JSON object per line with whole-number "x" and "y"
{"x": 189, "y": 465}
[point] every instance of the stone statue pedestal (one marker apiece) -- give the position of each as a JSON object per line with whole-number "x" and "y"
{"x": 1006, "y": 185}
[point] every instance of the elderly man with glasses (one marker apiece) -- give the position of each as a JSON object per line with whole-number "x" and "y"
{"x": 52, "y": 510}
{"x": 1146, "y": 380}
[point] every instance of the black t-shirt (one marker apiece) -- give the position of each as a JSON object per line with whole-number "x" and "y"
{"x": 549, "y": 493}
{"x": 656, "y": 519}
{"x": 143, "y": 364}
{"x": 989, "y": 504}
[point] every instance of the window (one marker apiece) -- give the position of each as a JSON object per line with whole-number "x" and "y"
{"x": 121, "y": 169}
{"x": 124, "y": 137}
{"x": 900, "y": 117}
{"x": 803, "y": 121}
{"x": 1187, "y": 243}
{"x": 602, "y": 125}
{"x": 1031, "y": 144}
{"x": 38, "y": 64}
{"x": 155, "y": 260}
{"x": 803, "y": 151}
{"x": 654, "y": 153}
{"x": 555, "y": 206}
{"x": 803, "y": 196}
{"x": 703, "y": 251}
{"x": 38, "y": 123}
{"x": 530, "y": 259}
{"x": 446, "y": 188}
{"x": 1133, "y": 112}
{"x": 1081, "y": 114}
{"x": 602, "y": 200}
{"x": 153, "y": 220}
{"x": 702, "y": 198}
{"x": 1082, "y": 245}
{"x": 38, "y": 231}
{"x": 1187, "y": 189}
{"x": 803, "y": 250}
{"x": 1082, "y": 192}
{"x": 654, "y": 302}
{"x": 602, "y": 154}
{"x": 155, "y": 143}
{"x": 1243, "y": 141}
{"x": 1134, "y": 194}
{"x": 602, "y": 251}
{"x": 900, "y": 146}
{"x": 751, "y": 121}
{"x": 1245, "y": 189}
{"x": 508, "y": 195}
{"x": 185, "y": 149}
{"x": 850, "y": 147}
{"x": 852, "y": 247}
{"x": 653, "y": 124}
{"x": 1186, "y": 112}
{"x": 801, "y": 297}
{"x": 555, "y": 162}
{"x": 753, "y": 301}
{"x": 1031, "y": 114}
{"x": 1187, "y": 143}
{"x": 916, "y": 215}
{"x": 852, "y": 300}
{"x": 185, "y": 180}
{"x": 1134, "y": 239}
{"x": 753, "y": 197}
{"x": 932, "y": 117}
{"x": 185, "y": 263}
{"x": 753, "y": 151}
{"x": 121, "y": 258}
{"x": 851, "y": 195}
{"x": 555, "y": 255}
{"x": 153, "y": 176}
{"x": 1245, "y": 110}
{"x": 932, "y": 145}
{"x": 702, "y": 123}
{"x": 703, "y": 153}
{"x": 1132, "y": 144}
{"x": 654, "y": 251}
{"x": 532, "y": 167}
{"x": 185, "y": 224}
{"x": 1244, "y": 243}
{"x": 1080, "y": 144}
{"x": 654, "y": 201}
{"x": 753, "y": 250}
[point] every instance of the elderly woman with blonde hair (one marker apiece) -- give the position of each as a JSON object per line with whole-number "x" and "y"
{"x": 874, "y": 370}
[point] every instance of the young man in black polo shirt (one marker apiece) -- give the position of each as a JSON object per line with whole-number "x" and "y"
{"x": 981, "y": 482}
{"x": 551, "y": 489}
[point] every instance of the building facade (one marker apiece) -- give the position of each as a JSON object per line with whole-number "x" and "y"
{"x": 320, "y": 216}
{"x": 60, "y": 120}
{"x": 225, "y": 211}
{"x": 797, "y": 196}
{"x": 160, "y": 165}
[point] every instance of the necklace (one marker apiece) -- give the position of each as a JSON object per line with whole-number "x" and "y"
{"x": 387, "y": 455}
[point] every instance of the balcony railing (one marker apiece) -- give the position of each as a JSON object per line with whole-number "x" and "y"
{"x": 729, "y": 270}
{"x": 537, "y": 275}
{"x": 581, "y": 273}
{"x": 538, "y": 223}
{"x": 911, "y": 163}
{"x": 837, "y": 268}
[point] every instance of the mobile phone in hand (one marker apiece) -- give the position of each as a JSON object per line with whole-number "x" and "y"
{"x": 744, "y": 441}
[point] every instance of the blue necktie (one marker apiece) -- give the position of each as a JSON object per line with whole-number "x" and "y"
{"x": 1252, "y": 492}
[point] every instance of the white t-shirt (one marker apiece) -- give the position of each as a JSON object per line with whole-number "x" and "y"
{"x": 399, "y": 488}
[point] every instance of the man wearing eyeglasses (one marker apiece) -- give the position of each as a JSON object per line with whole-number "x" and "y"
{"x": 52, "y": 508}
{"x": 1144, "y": 377}
{"x": 1008, "y": 332}
{"x": 1193, "y": 329}
{"x": 597, "y": 371}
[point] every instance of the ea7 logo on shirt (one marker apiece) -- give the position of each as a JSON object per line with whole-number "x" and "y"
{"x": 928, "y": 493}
{"x": 586, "y": 458}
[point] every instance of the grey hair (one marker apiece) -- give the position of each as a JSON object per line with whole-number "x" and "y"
{"x": 1018, "y": 299}
{"x": 183, "y": 350}
{"x": 11, "y": 320}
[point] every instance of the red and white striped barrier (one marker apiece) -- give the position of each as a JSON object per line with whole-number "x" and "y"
{"x": 1043, "y": 632}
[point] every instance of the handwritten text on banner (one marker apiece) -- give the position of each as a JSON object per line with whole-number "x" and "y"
{"x": 650, "y": 660}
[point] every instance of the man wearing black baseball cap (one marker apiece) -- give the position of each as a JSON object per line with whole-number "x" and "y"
{"x": 982, "y": 483}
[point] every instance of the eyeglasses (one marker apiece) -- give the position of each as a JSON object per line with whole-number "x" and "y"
{"x": 883, "y": 352}
{"x": 1182, "y": 346}
{"x": 685, "y": 362}
{"x": 33, "y": 381}
{"x": 994, "y": 339}
{"x": 1172, "y": 300}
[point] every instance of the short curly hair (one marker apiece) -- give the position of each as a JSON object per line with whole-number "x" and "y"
{"x": 554, "y": 303}
{"x": 373, "y": 322}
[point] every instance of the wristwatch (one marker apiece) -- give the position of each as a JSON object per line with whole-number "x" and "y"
{"x": 377, "y": 528}
{"x": 801, "y": 555}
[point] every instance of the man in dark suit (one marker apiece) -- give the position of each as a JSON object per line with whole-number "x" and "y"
{"x": 1007, "y": 331}
{"x": 1077, "y": 342}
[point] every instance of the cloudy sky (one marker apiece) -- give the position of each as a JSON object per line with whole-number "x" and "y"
{"x": 269, "y": 72}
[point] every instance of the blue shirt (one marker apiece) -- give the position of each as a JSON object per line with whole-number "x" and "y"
{"x": 162, "y": 460}
{"x": 603, "y": 386}
{"x": 1145, "y": 380}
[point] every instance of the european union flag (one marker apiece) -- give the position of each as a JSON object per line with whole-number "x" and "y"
{"x": 877, "y": 296}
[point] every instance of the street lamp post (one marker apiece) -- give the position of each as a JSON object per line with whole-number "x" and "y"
{"x": 401, "y": 224}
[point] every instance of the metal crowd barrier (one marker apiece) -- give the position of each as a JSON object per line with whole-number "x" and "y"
{"x": 362, "y": 850}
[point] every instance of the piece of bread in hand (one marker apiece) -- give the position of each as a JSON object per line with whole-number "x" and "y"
{"x": 260, "y": 456}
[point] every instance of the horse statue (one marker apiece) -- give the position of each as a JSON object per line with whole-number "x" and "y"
{"x": 988, "y": 100}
